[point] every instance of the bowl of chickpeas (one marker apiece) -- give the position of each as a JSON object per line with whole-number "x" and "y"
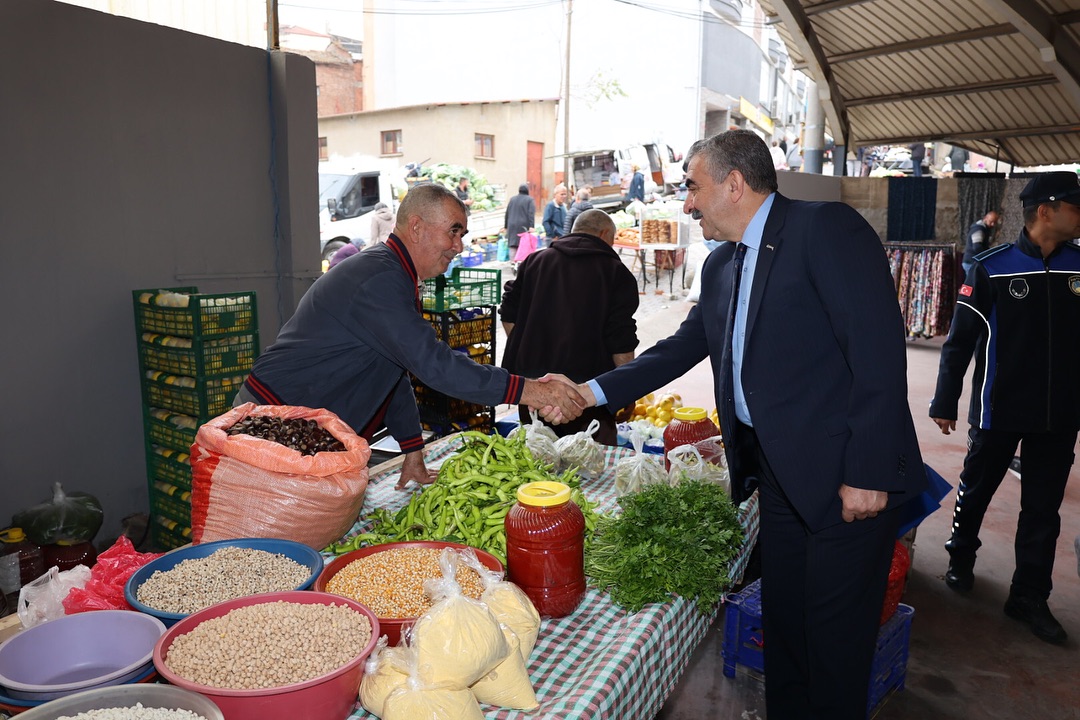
{"x": 274, "y": 656}
{"x": 389, "y": 578}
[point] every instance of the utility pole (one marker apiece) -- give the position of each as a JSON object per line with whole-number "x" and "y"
{"x": 567, "y": 177}
{"x": 272, "y": 39}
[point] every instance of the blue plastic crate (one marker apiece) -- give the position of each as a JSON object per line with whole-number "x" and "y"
{"x": 744, "y": 642}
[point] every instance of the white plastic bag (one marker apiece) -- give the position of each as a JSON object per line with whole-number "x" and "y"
{"x": 580, "y": 450}
{"x": 539, "y": 438}
{"x": 640, "y": 469}
{"x": 509, "y": 603}
{"x": 43, "y": 599}
{"x": 689, "y": 463}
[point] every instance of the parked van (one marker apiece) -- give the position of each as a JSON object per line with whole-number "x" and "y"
{"x": 604, "y": 170}
{"x": 347, "y": 197}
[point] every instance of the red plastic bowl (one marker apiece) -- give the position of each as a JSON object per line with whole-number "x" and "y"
{"x": 328, "y": 697}
{"x": 392, "y": 627}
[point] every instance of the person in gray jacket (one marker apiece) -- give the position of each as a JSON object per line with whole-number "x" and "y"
{"x": 358, "y": 334}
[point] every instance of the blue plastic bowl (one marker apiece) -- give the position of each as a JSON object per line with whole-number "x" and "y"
{"x": 299, "y": 552}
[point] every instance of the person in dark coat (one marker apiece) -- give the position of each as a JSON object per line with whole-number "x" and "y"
{"x": 918, "y": 154}
{"x": 571, "y": 311}
{"x": 520, "y": 216}
{"x": 581, "y": 204}
{"x": 637, "y": 186}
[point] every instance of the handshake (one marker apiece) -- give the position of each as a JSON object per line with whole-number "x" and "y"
{"x": 557, "y": 398}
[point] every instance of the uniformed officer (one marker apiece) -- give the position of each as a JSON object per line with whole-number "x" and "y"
{"x": 1019, "y": 313}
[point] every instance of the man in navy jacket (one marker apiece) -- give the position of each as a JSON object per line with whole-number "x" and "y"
{"x": 811, "y": 388}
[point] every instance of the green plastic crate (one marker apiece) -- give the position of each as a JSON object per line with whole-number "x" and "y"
{"x": 164, "y": 505}
{"x": 466, "y": 288}
{"x": 198, "y": 357}
{"x": 169, "y": 466}
{"x": 166, "y": 534}
{"x": 202, "y": 398}
{"x": 205, "y": 315}
{"x": 169, "y": 429}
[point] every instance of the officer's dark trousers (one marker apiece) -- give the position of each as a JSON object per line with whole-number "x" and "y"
{"x": 1045, "y": 460}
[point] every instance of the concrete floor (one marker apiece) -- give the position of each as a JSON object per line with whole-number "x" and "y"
{"x": 967, "y": 659}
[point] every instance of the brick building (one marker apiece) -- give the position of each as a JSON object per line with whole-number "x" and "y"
{"x": 339, "y": 68}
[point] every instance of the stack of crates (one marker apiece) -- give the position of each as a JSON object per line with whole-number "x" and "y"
{"x": 461, "y": 308}
{"x": 194, "y": 352}
{"x": 744, "y": 644}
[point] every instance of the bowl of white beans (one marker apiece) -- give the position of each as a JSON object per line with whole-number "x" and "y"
{"x": 195, "y": 577}
{"x": 144, "y": 701}
{"x": 275, "y": 656}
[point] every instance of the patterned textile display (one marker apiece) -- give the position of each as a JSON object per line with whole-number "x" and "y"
{"x": 912, "y": 207}
{"x": 977, "y": 196}
{"x": 926, "y": 286}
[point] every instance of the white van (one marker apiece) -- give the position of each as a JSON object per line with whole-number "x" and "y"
{"x": 347, "y": 198}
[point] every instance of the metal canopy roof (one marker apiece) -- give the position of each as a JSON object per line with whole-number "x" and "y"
{"x": 995, "y": 76}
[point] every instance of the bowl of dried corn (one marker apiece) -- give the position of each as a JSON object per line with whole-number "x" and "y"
{"x": 389, "y": 579}
{"x": 275, "y": 656}
{"x": 195, "y": 577}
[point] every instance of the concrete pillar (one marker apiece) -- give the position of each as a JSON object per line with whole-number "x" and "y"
{"x": 814, "y": 134}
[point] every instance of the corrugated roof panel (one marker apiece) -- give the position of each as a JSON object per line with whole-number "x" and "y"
{"x": 871, "y": 24}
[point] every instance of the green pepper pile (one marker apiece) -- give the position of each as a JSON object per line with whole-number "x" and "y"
{"x": 468, "y": 502}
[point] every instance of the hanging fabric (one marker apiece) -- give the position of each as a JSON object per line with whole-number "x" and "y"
{"x": 912, "y": 208}
{"x": 926, "y": 278}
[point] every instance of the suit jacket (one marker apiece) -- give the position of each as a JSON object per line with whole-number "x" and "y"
{"x": 824, "y": 366}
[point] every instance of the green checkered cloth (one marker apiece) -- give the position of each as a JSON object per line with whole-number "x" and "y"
{"x": 601, "y": 661}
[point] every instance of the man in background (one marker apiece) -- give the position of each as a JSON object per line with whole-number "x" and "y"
{"x": 978, "y": 239}
{"x": 555, "y": 213}
{"x": 582, "y": 202}
{"x": 571, "y": 310}
{"x": 637, "y": 185}
{"x": 462, "y": 192}
{"x": 520, "y": 217}
{"x": 1018, "y": 313}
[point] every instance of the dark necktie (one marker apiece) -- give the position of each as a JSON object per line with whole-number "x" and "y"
{"x": 728, "y": 349}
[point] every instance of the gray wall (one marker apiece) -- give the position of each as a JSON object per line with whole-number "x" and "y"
{"x": 731, "y": 62}
{"x": 131, "y": 156}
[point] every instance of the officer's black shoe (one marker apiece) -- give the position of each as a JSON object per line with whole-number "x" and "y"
{"x": 960, "y": 576}
{"x": 1036, "y": 613}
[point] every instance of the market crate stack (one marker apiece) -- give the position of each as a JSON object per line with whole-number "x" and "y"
{"x": 462, "y": 309}
{"x": 194, "y": 352}
{"x": 744, "y": 643}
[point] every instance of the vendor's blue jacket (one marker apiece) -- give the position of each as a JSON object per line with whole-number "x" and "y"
{"x": 1019, "y": 314}
{"x": 356, "y": 335}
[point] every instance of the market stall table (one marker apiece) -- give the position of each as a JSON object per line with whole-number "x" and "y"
{"x": 601, "y": 661}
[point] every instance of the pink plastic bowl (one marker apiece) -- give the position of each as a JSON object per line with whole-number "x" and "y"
{"x": 329, "y": 697}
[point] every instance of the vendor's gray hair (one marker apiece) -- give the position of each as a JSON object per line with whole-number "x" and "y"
{"x": 593, "y": 222}
{"x": 741, "y": 150}
{"x": 425, "y": 201}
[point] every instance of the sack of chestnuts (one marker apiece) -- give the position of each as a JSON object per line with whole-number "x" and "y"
{"x": 277, "y": 471}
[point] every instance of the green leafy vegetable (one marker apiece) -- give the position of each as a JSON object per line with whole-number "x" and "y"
{"x": 667, "y": 540}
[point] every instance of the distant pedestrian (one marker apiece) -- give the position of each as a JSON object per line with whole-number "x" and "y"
{"x": 958, "y": 158}
{"x": 581, "y": 204}
{"x": 794, "y": 156}
{"x": 462, "y": 192}
{"x": 520, "y": 217}
{"x": 978, "y": 239}
{"x": 918, "y": 154}
{"x": 382, "y": 224}
{"x": 779, "y": 161}
{"x": 637, "y": 185}
{"x": 555, "y": 213}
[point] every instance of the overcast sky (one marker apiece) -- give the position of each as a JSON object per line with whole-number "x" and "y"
{"x": 472, "y": 50}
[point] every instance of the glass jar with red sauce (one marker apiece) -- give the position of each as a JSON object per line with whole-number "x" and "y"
{"x": 545, "y": 547}
{"x": 688, "y": 426}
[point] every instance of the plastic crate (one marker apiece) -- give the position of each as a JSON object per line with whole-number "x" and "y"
{"x": 471, "y": 260}
{"x": 169, "y": 429}
{"x": 169, "y": 506}
{"x": 743, "y": 643}
{"x": 465, "y": 327}
{"x": 169, "y": 466}
{"x": 204, "y": 316}
{"x": 176, "y": 493}
{"x": 198, "y": 357}
{"x": 467, "y": 287}
{"x": 167, "y": 534}
{"x": 202, "y": 398}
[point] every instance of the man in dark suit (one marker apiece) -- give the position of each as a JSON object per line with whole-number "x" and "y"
{"x": 812, "y": 394}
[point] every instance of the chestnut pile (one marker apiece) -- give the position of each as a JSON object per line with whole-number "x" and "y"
{"x": 304, "y": 436}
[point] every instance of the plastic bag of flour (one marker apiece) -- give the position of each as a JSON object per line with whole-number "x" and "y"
{"x": 509, "y": 603}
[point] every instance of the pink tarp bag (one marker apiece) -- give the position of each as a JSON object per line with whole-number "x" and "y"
{"x": 245, "y": 486}
{"x": 526, "y": 246}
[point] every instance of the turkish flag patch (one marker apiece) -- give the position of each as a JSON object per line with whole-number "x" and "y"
{"x": 965, "y": 290}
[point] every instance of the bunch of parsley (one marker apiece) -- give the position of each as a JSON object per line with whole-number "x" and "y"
{"x": 667, "y": 540}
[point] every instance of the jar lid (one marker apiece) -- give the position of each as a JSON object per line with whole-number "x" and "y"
{"x": 543, "y": 493}
{"x": 689, "y": 414}
{"x": 12, "y": 535}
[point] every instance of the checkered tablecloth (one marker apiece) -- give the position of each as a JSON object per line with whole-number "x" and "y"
{"x": 601, "y": 661}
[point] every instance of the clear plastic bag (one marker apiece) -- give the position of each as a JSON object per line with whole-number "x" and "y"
{"x": 509, "y": 603}
{"x": 640, "y": 469}
{"x": 385, "y": 670}
{"x": 580, "y": 450}
{"x": 418, "y": 699}
{"x": 699, "y": 461}
{"x": 458, "y": 640}
{"x": 539, "y": 438}
{"x": 43, "y": 599}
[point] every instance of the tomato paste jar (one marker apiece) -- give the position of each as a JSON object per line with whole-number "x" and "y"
{"x": 688, "y": 425}
{"x": 545, "y": 547}
{"x": 66, "y": 554}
